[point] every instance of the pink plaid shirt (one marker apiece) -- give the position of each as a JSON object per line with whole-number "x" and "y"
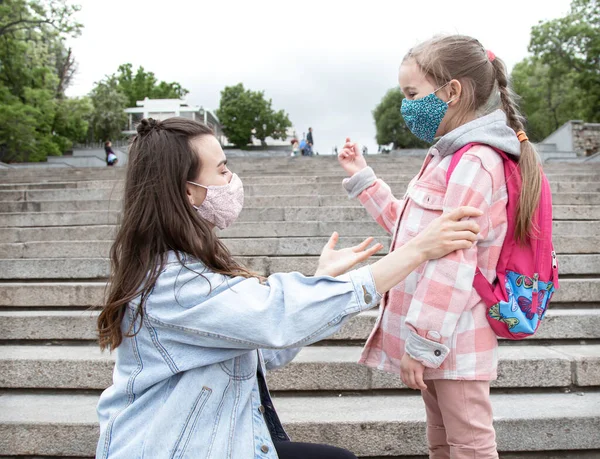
{"x": 435, "y": 314}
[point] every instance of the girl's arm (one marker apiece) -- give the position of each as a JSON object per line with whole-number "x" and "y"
{"x": 373, "y": 194}
{"x": 446, "y": 286}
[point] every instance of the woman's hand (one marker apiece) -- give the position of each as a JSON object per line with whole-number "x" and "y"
{"x": 411, "y": 372}
{"x": 448, "y": 233}
{"x": 351, "y": 158}
{"x": 336, "y": 262}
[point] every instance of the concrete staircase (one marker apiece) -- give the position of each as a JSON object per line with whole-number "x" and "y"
{"x": 56, "y": 227}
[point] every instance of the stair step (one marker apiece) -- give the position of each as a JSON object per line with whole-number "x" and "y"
{"x": 339, "y": 200}
{"x": 66, "y": 425}
{"x": 99, "y": 268}
{"x": 250, "y": 214}
{"x": 574, "y": 229}
{"x": 315, "y": 368}
{"x": 296, "y": 254}
{"x": 286, "y": 189}
{"x": 65, "y": 325}
{"x": 260, "y": 179}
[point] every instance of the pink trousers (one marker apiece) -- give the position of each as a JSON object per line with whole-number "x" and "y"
{"x": 459, "y": 420}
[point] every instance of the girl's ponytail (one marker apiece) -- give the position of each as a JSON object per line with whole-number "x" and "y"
{"x": 529, "y": 163}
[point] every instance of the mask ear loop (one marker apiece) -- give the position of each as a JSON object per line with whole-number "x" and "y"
{"x": 442, "y": 87}
{"x": 197, "y": 184}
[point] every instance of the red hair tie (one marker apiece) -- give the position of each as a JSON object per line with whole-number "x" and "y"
{"x": 491, "y": 56}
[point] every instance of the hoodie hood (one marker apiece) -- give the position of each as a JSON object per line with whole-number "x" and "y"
{"x": 490, "y": 130}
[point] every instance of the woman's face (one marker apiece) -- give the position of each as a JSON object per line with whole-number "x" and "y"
{"x": 213, "y": 170}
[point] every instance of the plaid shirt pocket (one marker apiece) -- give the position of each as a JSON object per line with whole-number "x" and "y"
{"x": 425, "y": 205}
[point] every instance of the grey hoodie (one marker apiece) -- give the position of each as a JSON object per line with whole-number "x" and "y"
{"x": 490, "y": 130}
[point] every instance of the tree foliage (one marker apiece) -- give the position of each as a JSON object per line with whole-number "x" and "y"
{"x": 108, "y": 117}
{"x": 547, "y": 100}
{"x": 141, "y": 84}
{"x": 245, "y": 114}
{"x": 389, "y": 124}
{"x": 36, "y": 120}
{"x": 562, "y": 79}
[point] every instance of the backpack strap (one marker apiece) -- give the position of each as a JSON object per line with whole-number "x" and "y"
{"x": 480, "y": 283}
{"x": 456, "y": 159}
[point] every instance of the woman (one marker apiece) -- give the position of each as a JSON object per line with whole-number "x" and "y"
{"x": 194, "y": 331}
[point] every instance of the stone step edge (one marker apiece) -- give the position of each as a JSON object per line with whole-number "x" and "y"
{"x": 329, "y": 368}
{"x": 66, "y": 324}
{"x": 580, "y": 289}
{"x": 367, "y": 425}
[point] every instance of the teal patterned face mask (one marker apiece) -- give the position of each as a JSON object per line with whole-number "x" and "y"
{"x": 424, "y": 116}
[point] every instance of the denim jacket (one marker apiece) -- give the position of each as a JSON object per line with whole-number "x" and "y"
{"x": 190, "y": 383}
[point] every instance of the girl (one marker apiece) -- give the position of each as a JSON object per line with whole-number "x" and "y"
{"x": 433, "y": 325}
{"x": 188, "y": 322}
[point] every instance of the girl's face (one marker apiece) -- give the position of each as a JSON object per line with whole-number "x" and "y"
{"x": 213, "y": 170}
{"x": 415, "y": 85}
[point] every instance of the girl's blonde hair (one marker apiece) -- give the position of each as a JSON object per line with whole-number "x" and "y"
{"x": 485, "y": 87}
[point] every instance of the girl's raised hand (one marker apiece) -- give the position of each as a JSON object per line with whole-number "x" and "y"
{"x": 336, "y": 262}
{"x": 351, "y": 158}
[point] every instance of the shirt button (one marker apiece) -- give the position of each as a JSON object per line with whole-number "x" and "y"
{"x": 437, "y": 352}
{"x": 264, "y": 449}
{"x": 261, "y": 409}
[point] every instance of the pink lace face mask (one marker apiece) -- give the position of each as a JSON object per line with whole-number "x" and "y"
{"x": 223, "y": 204}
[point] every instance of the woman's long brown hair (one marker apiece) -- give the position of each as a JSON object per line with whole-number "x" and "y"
{"x": 485, "y": 86}
{"x": 157, "y": 217}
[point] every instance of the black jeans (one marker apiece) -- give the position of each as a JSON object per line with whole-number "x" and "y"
{"x": 293, "y": 450}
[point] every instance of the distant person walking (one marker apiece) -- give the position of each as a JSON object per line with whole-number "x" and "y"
{"x": 303, "y": 146}
{"x": 111, "y": 157}
{"x": 310, "y": 141}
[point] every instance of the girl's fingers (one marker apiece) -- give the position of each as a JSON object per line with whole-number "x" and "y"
{"x": 363, "y": 245}
{"x": 419, "y": 381}
{"x": 410, "y": 379}
{"x": 402, "y": 377}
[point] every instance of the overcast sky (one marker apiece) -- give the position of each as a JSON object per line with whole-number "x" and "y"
{"x": 326, "y": 63}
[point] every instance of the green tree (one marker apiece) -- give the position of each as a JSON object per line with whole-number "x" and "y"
{"x": 548, "y": 101}
{"x": 71, "y": 121}
{"x": 245, "y": 114}
{"x": 35, "y": 69}
{"x": 33, "y": 15}
{"x": 571, "y": 46}
{"x": 141, "y": 84}
{"x": 108, "y": 117}
{"x": 389, "y": 124}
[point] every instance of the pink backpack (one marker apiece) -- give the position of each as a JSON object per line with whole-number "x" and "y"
{"x": 527, "y": 276}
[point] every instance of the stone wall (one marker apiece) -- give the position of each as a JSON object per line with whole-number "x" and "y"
{"x": 586, "y": 138}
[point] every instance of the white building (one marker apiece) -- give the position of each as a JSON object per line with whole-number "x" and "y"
{"x": 161, "y": 109}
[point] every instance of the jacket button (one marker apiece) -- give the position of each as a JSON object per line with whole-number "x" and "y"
{"x": 264, "y": 449}
{"x": 368, "y": 298}
{"x": 261, "y": 409}
{"x": 437, "y": 352}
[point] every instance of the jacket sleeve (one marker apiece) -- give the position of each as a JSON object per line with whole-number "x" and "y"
{"x": 277, "y": 358}
{"x": 375, "y": 196}
{"x": 288, "y": 311}
{"x": 446, "y": 285}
